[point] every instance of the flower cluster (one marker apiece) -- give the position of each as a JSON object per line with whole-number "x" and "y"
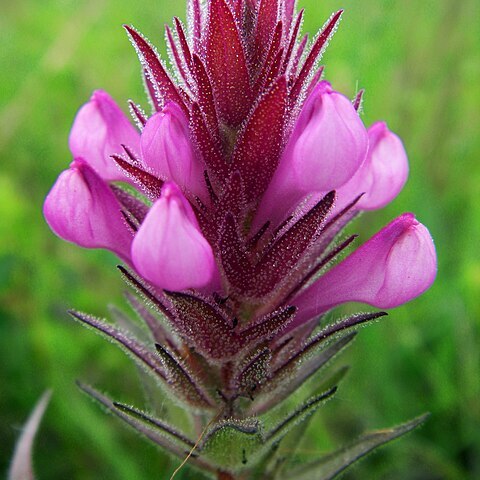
{"x": 246, "y": 173}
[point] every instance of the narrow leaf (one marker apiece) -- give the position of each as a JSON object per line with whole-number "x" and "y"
{"x": 253, "y": 371}
{"x": 298, "y": 371}
{"x": 187, "y": 54}
{"x": 150, "y": 184}
{"x": 287, "y": 251}
{"x": 296, "y": 59}
{"x": 204, "y": 326}
{"x": 182, "y": 380}
{"x": 21, "y": 467}
{"x": 329, "y": 256}
{"x": 138, "y": 351}
{"x": 330, "y": 466}
{"x": 266, "y": 21}
{"x": 270, "y": 57}
{"x": 298, "y": 416}
{"x": 151, "y": 422}
{"x": 145, "y": 291}
{"x": 320, "y": 44}
{"x": 206, "y": 145}
{"x": 205, "y": 97}
{"x": 140, "y": 427}
{"x": 133, "y": 205}
{"x": 293, "y": 40}
{"x": 267, "y": 327}
{"x": 138, "y": 114}
{"x": 157, "y": 331}
{"x": 179, "y": 62}
{"x": 235, "y": 261}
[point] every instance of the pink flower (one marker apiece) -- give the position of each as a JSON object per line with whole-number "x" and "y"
{"x": 169, "y": 249}
{"x": 393, "y": 267}
{"x": 327, "y": 146}
{"x": 381, "y": 176}
{"x": 82, "y": 209}
{"x": 99, "y": 130}
{"x": 167, "y": 150}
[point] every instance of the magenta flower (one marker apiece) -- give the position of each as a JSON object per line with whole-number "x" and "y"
{"x": 247, "y": 170}
{"x": 394, "y": 266}
{"x": 326, "y": 148}
{"x": 169, "y": 249}
{"x": 168, "y": 151}
{"x": 99, "y": 130}
{"x": 381, "y": 176}
{"x": 82, "y": 209}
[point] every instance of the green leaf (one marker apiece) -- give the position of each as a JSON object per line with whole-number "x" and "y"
{"x": 153, "y": 434}
{"x": 233, "y": 444}
{"x": 297, "y": 417}
{"x": 333, "y": 464}
{"x": 163, "y": 428}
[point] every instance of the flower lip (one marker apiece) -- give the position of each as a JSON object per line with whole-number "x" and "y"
{"x": 327, "y": 146}
{"x": 82, "y": 209}
{"x": 169, "y": 249}
{"x": 98, "y": 131}
{"x": 167, "y": 149}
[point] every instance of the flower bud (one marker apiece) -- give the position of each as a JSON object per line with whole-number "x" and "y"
{"x": 393, "y": 267}
{"x": 82, "y": 209}
{"x": 99, "y": 130}
{"x": 327, "y": 146}
{"x": 168, "y": 151}
{"x": 169, "y": 249}
{"x": 381, "y": 176}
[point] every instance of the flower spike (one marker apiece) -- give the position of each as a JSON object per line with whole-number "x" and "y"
{"x": 245, "y": 175}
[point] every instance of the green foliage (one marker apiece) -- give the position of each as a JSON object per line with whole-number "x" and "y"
{"x": 419, "y": 63}
{"x": 329, "y": 466}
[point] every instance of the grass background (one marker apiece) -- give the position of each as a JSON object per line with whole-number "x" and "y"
{"x": 419, "y": 62}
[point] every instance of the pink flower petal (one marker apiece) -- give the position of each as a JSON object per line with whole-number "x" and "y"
{"x": 99, "y": 130}
{"x": 167, "y": 150}
{"x": 82, "y": 209}
{"x": 169, "y": 249}
{"x": 326, "y": 148}
{"x": 381, "y": 176}
{"x": 393, "y": 267}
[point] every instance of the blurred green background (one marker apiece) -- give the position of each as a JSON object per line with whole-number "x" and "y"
{"x": 419, "y": 62}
